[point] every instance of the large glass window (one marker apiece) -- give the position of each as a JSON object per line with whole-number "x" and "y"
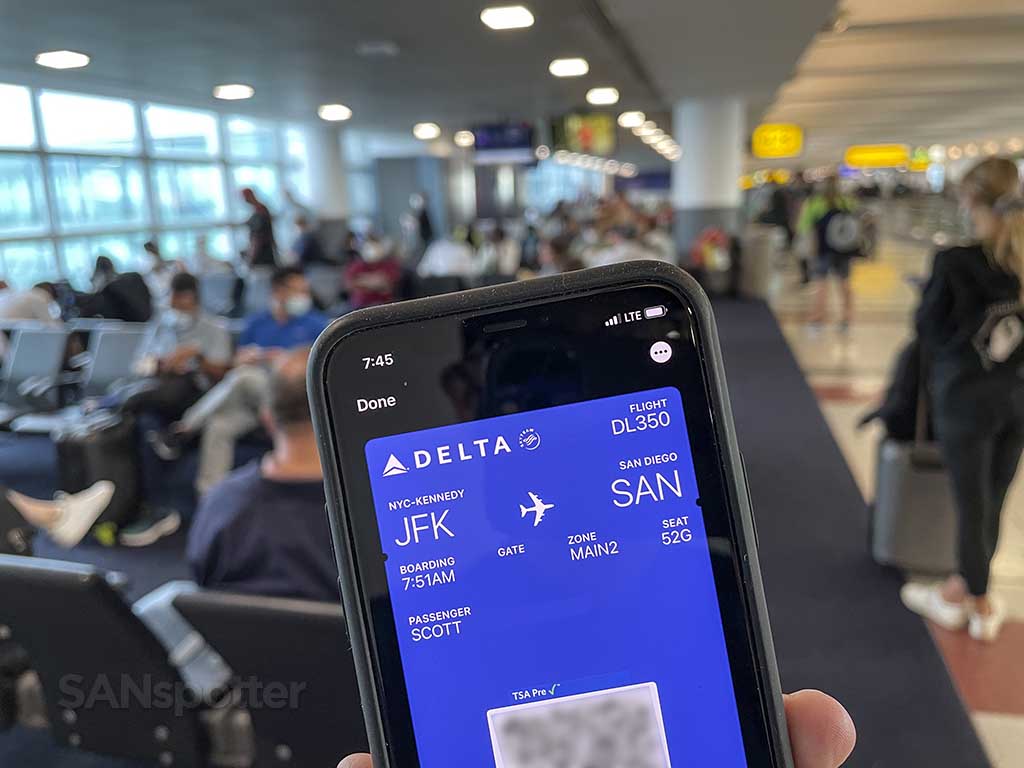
{"x": 186, "y": 244}
{"x": 263, "y": 180}
{"x": 189, "y": 192}
{"x": 175, "y": 132}
{"x": 24, "y": 263}
{"x": 74, "y": 184}
{"x": 97, "y": 192}
{"x": 17, "y": 128}
{"x": 252, "y": 139}
{"x": 79, "y": 255}
{"x": 22, "y": 197}
{"x": 73, "y": 122}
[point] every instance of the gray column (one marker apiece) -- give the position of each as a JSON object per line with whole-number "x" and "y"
{"x": 705, "y": 190}
{"x": 327, "y": 172}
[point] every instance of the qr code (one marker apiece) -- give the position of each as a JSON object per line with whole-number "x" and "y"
{"x": 615, "y": 728}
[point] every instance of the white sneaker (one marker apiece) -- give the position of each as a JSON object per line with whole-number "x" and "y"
{"x": 926, "y": 600}
{"x": 79, "y": 511}
{"x": 986, "y": 628}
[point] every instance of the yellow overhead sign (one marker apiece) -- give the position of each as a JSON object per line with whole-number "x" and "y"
{"x": 773, "y": 141}
{"x": 877, "y": 156}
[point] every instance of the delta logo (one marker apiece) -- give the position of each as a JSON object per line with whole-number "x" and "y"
{"x": 484, "y": 448}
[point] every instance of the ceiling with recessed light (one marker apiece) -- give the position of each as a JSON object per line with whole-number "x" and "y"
{"x": 398, "y": 62}
{"x": 921, "y": 72}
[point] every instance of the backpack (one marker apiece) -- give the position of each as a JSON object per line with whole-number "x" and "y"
{"x": 841, "y": 232}
{"x": 1000, "y": 338}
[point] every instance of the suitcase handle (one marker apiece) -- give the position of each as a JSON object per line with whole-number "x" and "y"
{"x": 925, "y": 453}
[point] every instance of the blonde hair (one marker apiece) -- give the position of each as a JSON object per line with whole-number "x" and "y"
{"x": 995, "y": 183}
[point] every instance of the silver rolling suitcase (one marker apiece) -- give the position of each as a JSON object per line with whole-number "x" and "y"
{"x": 914, "y": 522}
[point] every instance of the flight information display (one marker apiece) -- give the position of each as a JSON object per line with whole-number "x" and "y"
{"x": 552, "y": 589}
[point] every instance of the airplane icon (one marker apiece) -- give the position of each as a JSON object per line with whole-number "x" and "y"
{"x": 538, "y": 508}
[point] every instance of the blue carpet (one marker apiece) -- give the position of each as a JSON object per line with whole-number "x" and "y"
{"x": 836, "y": 616}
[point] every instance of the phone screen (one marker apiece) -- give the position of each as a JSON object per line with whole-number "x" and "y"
{"x": 544, "y": 541}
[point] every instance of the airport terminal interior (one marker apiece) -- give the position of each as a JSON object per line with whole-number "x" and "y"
{"x": 191, "y": 192}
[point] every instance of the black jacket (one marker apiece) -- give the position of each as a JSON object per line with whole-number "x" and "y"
{"x": 963, "y": 285}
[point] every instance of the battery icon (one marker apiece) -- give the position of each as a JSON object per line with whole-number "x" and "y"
{"x": 652, "y": 312}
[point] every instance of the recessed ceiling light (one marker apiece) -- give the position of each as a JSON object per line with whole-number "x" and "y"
{"x": 612, "y": 167}
{"x": 665, "y": 143}
{"x": 991, "y": 148}
{"x": 602, "y": 96}
{"x": 233, "y": 91}
{"x": 426, "y": 131}
{"x": 334, "y": 113}
{"x": 628, "y": 170}
{"x": 632, "y": 119}
{"x": 464, "y": 139}
{"x": 653, "y": 138}
{"x": 971, "y": 150}
{"x": 568, "y": 67}
{"x": 381, "y": 48}
{"x": 955, "y": 153}
{"x": 1015, "y": 145}
{"x": 507, "y": 17}
{"x": 562, "y": 156}
{"x": 646, "y": 129}
{"x": 543, "y": 152}
{"x": 62, "y": 59}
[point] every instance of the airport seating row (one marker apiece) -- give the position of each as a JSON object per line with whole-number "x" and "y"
{"x": 101, "y": 682}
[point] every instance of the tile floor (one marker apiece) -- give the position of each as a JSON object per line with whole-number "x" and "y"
{"x": 848, "y": 373}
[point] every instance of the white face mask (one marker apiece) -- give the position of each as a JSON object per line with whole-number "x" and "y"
{"x": 373, "y": 252}
{"x": 179, "y": 320}
{"x": 296, "y": 306}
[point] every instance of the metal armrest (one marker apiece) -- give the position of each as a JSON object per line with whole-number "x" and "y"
{"x": 31, "y": 702}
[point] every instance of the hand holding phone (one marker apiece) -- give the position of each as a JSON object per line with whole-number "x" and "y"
{"x": 543, "y": 529}
{"x": 820, "y": 730}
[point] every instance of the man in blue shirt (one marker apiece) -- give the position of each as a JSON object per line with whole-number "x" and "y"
{"x": 231, "y": 409}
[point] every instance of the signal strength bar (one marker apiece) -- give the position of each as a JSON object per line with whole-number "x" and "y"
{"x": 613, "y": 320}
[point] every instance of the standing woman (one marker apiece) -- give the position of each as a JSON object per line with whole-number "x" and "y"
{"x": 971, "y": 326}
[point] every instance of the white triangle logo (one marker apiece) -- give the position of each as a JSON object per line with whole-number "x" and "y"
{"x": 394, "y": 467}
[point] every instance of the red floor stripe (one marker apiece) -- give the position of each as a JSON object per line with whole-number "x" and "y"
{"x": 989, "y": 676}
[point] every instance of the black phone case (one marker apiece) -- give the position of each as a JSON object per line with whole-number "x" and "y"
{"x": 635, "y": 273}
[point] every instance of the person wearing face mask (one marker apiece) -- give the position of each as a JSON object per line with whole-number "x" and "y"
{"x": 230, "y": 410}
{"x": 373, "y": 276}
{"x": 971, "y": 326}
{"x": 185, "y": 353}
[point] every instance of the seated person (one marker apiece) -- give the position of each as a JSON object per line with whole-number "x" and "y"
{"x": 115, "y": 295}
{"x": 185, "y": 353}
{"x": 499, "y": 254}
{"x": 159, "y": 274}
{"x": 373, "y": 275}
{"x": 231, "y": 409}
{"x": 38, "y": 304}
{"x": 307, "y": 248}
{"x": 449, "y": 257}
{"x": 67, "y": 518}
{"x": 263, "y": 529}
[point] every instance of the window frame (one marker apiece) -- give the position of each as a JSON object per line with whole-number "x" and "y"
{"x": 153, "y": 225}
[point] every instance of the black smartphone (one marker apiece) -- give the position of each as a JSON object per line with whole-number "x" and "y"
{"x": 543, "y": 530}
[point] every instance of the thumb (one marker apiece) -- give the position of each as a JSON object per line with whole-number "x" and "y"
{"x": 820, "y": 730}
{"x": 356, "y": 761}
